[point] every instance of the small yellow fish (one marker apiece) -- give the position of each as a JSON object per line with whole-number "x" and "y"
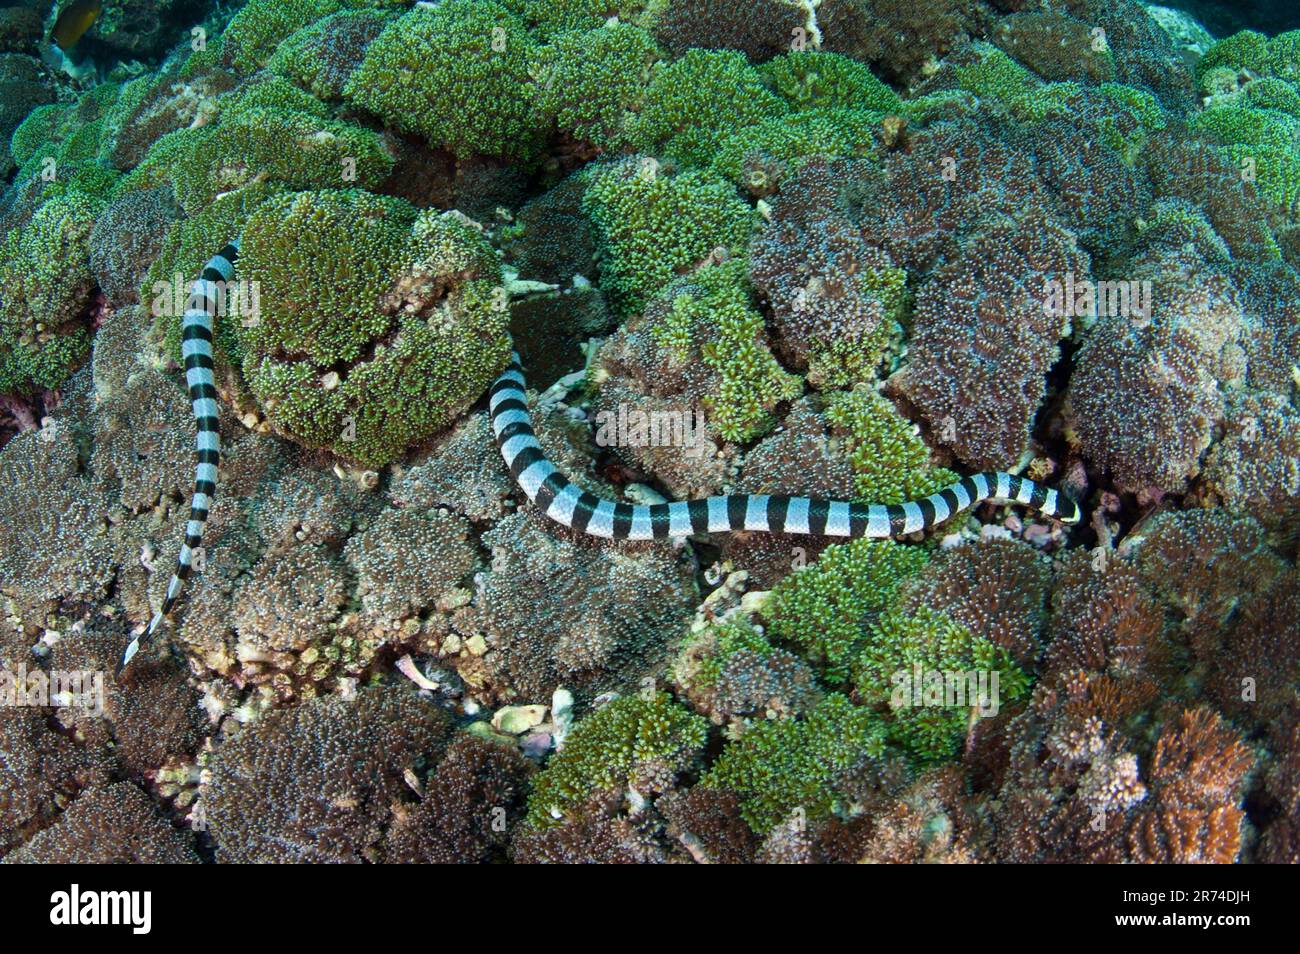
{"x": 73, "y": 22}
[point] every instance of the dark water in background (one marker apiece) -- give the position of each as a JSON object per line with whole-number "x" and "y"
{"x": 147, "y": 29}
{"x": 1224, "y": 17}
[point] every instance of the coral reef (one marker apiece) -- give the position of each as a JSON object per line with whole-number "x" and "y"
{"x": 929, "y": 642}
{"x": 258, "y": 143}
{"x": 472, "y": 800}
{"x": 780, "y": 767}
{"x": 555, "y": 610}
{"x": 406, "y": 560}
{"x": 624, "y": 754}
{"x": 1250, "y": 83}
{"x": 760, "y": 29}
{"x": 405, "y": 327}
{"x": 730, "y": 671}
{"x": 45, "y": 290}
{"x": 593, "y": 81}
{"x": 127, "y": 239}
{"x": 822, "y": 609}
{"x": 651, "y": 225}
{"x": 322, "y": 56}
{"x": 42, "y": 769}
{"x": 692, "y": 103}
{"x": 836, "y": 299}
{"x": 23, "y": 90}
{"x": 894, "y": 36}
{"x": 422, "y": 70}
{"x": 851, "y": 249}
{"x": 55, "y": 543}
{"x": 1196, "y": 773}
{"x": 117, "y": 824}
{"x": 996, "y": 588}
{"x": 320, "y": 782}
{"x": 983, "y": 339}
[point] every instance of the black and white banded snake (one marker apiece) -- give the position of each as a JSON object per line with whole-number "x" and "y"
{"x": 563, "y": 501}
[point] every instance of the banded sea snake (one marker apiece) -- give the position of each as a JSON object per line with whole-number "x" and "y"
{"x": 562, "y": 500}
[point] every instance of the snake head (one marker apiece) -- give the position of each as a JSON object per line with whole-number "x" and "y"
{"x": 1067, "y": 509}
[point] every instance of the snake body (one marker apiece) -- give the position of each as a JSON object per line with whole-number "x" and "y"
{"x": 568, "y": 504}
{"x": 196, "y": 351}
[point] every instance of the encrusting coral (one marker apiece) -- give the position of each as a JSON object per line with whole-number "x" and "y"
{"x": 418, "y": 73}
{"x": 56, "y": 545}
{"x": 730, "y": 671}
{"x": 322, "y": 56}
{"x": 777, "y": 768}
{"x": 836, "y": 299}
{"x": 557, "y": 611}
{"x": 393, "y": 298}
{"x": 620, "y": 757}
{"x": 45, "y": 290}
{"x": 850, "y": 249}
{"x": 472, "y": 800}
{"x": 320, "y": 782}
{"x": 117, "y": 824}
{"x": 652, "y": 224}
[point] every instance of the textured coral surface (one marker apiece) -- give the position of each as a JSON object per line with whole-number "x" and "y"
{"x": 850, "y": 248}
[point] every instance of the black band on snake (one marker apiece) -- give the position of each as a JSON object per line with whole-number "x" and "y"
{"x": 563, "y": 501}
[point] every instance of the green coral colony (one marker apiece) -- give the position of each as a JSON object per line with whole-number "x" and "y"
{"x": 821, "y": 254}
